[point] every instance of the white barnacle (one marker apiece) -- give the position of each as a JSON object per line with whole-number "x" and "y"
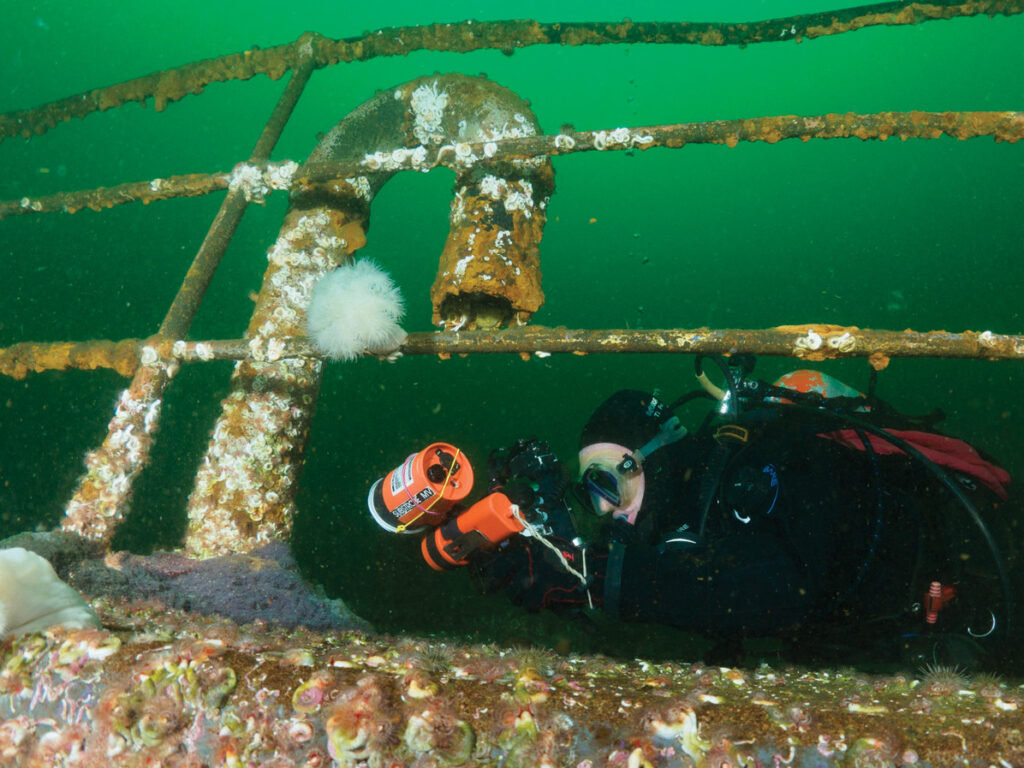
{"x": 156, "y": 185}
{"x": 280, "y": 175}
{"x": 562, "y": 141}
{"x": 399, "y": 156}
{"x": 492, "y": 186}
{"x": 844, "y": 343}
{"x": 275, "y": 348}
{"x": 428, "y": 105}
{"x": 178, "y": 348}
{"x": 204, "y": 351}
{"x": 808, "y": 343}
{"x": 541, "y": 353}
{"x": 987, "y": 339}
{"x": 516, "y": 200}
{"x": 464, "y": 153}
{"x": 149, "y": 356}
{"x": 619, "y": 136}
{"x": 490, "y": 148}
{"x": 248, "y": 179}
{"x": 361, "y": 185}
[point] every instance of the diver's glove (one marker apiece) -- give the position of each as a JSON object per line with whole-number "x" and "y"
{"x": 535, "y": 577}
{"x": 529, "y": 462}
{"x": 547, "y": 566}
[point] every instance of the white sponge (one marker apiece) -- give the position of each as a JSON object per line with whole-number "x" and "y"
{"x": 32, "y": 598}
{"x": 354, "y": 308}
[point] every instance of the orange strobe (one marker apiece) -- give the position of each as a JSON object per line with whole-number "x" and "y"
{"x": 487, "y": 522}
{"x": 419, "y": 492}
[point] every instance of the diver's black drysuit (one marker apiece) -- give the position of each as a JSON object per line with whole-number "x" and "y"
{"x": 775, "y": 526}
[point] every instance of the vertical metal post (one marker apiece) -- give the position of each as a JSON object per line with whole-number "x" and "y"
{"x": 243, "y": 495}
{"x": 101, "y": 499}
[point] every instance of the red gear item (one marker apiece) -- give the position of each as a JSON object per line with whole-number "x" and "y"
{"x": 935, "y": 600}
{"x": 944, "y": 451}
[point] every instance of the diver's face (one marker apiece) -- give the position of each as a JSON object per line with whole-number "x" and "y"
{"x": 605, "y": 486}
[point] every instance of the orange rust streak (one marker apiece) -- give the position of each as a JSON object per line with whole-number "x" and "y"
{"x": 18, "y": 360}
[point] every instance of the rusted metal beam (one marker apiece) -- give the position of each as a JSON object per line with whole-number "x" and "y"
{"x": 101, "y": 497}
{"x": 174, "y": 84}
{"x": 261, "y": 178}
{"x": 811, "y": 342}
{"x": 18, "y": 360}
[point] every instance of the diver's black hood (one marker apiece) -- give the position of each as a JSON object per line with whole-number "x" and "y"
{"x": 630, "y": 418}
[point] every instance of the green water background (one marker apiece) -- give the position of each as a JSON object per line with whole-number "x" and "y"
{"x": 920, "y": 234}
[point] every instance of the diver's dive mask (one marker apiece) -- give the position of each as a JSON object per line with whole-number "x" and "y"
{"x": 612, "y": 477}
{"x": 601, "y": 484}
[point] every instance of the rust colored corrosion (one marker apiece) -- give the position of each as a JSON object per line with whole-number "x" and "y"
{"x": 174, "y": 84}
{"x": 832, "y": 342}
{"x": 1007, "y": 126}
{"x": 18, "y": 360}
{"x": 187, "y": 185}
{"x": 489, "y": 273}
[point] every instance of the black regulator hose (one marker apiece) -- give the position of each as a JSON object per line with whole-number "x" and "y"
{"x": 944, "y": 478}
{"x": 733, "y": 396}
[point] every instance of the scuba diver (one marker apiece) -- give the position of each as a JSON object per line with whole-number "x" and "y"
{"x": 800, "y": 509}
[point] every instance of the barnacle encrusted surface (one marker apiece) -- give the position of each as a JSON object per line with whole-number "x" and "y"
{"x": 170, "y": 688}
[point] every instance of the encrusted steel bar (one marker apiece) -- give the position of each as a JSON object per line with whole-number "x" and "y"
{"x": 174, "y": 84}
{"x": 174, "y": 689}
{"x": 186, "y": 185}
{"x": 812, "y": 342}
{"x": 101, "y": 499}
{"x": 18, "y": 360}
{"x": 259, "y": 179}
{"x": 243, "y": 495}
{"x": 244, "y": 187}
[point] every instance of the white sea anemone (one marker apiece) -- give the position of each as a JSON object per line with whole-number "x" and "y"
{"x": 33, "y": 598}
{"x": 355, "y": 308}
